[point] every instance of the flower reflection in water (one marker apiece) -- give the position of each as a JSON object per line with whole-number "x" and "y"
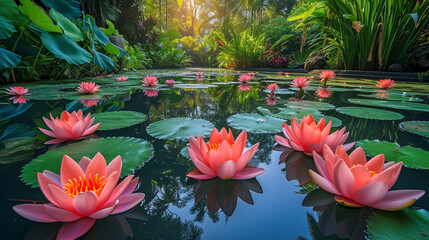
{"x": 18, "y": 99}
{"x": 223, "y": 194}
{"x": 244, "y": 87}
{"x": 150, "y": 93}
{"x": 271, "y": 99}
{"x": 381, "y": 93}
{"x": 345, "y": 223}
{"x": 296, "y": 163}
{"x": 89, "y": 103}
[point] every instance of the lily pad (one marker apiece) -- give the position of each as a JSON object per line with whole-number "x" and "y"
{"x": 392, "y": 96}
{"x": 370, "y": 113}
{"x": 404, "y": 224}
{"x": 193, "y": 86}
{"x": 417, "y": 127}
{"x": 311, "y": 104}
{"x": 10, "y": 111}
{"x": 134, "y": 152}
{"x": 255, "y": 123}
{"x": 119, "y": 119}
{"x": 410, "y": 156}
{"x": 179, "y": 128}
{"x": 280, "y": 92}
{"x": 391, "y": 104}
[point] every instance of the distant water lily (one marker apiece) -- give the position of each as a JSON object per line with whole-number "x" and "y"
{"x": 122, "y": 79}
{"x": 300, "y": 82}
{"x": 18, "y": 99}
{"x": 150, "y": 93}
{"x": 385, "y": 83}
{"x": 287, "y": 74}
{"x": 357, "y": 182}
{"x": 326, "y": 76}
{"x": 17, "y": 91}
{"x": 309, "y": 136}
{"x": 82, "y": 193}
{"x": 88, "y": 87}
{"x": 222, "y": 156}
{"x": 89, "y": 103}
{"x": 244, "y": 87}
{"x": 279, "y": 73}
{"x": 273, "y": 87}
{"x": 169, "y": 82}
{"x": 199, "y": 74}
{"x": 69, "y": 127}
{"x": 324, "y": 92}
{"x": 244, "y": 78}
{"x": 150, "y": 81}
{"x": 252, "y": 74}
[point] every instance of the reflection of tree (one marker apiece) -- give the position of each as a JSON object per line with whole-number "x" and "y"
{"x": 266, "y": 143}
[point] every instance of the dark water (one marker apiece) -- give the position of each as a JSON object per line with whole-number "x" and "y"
{"x": 268, "y": 207}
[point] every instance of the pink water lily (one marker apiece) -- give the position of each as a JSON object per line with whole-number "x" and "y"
{"x": 279, "y": 73}
{"x": 17, "y": 91}
{"x": 82, "y": 193}
{"x": 287, "y": 74}
{"x": 88, "y": 87}
{"x": 385, "y": 83}
{"x": 357, "y": 182}
{"x": 122, "y": 79}
{"x": 169, "y": 82}
{"x": 252, "y": 74}
{"x": 18, "y": 99}
{"x": 273, "y": 87}
{"x": 150, "y": 81}
{"x": 244, "y": 78}
{"x": 324, "y": 92}
{"x": 199, "y": 74}
{"x": 300, "y": 82}
{"x": 70, "y": 126}
{"x": 309, "y": 136}
{"x": 326, "y": 75}
{"x": 222, "y": 156}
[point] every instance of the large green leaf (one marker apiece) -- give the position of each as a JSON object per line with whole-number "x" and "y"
{"x": 393, "y": 96}
{"x": 65, "y": 48}
{"x": 113, "y": 49}
{"x": 8, "y": 59}
{"x": 119, "y": 119}
{"x": 417, "y": 127}
{"x": 6, "y": 28}
{"x": 134, "y": 152}
{"x": 9, "y": 111}
{"x": 370, "y": 113}
{"x": 103, "y": 61}
{"x": 311, "y": 104}
{"x": 68, "y": 8}
{"x": 8, "y": 9}
{"x": 404, "y": 224}
{"x": 38, "y": 16}
{"x": 255, "y": 123}
{"x": 70, "y": 29}
{"x": 391, "y": 104}
{"x": 179, "y": 128}
{"x": 410, "y": 156}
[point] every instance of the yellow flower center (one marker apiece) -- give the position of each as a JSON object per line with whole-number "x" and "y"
{"x": 75, "y": 186}
{"x": 371, "y": 173}
{"x": 215, "y": 146}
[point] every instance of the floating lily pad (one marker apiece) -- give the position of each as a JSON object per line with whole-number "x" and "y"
{"x": 134, "y": 152}
{"x": 79, "y": 96}
{"x": 391, "y": 104}
{"x": 255, "y": 123}
{"x": 311, "y": 104}
{"x": 404, "y": 224}
{"x": 370, "y": 113}
{"x": 410, "y": 156}
{"x": 392, "y": 96}
{"x": 193, "y": 86}
{"x": 10, "y": 111}
{"x": 179, "y": 128}
{"x": 280, "y": 92}
{"x": 119, "y": 119}
{"x": 417, "y": 127}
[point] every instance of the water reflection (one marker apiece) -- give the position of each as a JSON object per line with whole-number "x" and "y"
{"x": 18, "y": 99}
{"x": 297, "y": 164}
{"x": 223, "y": 194}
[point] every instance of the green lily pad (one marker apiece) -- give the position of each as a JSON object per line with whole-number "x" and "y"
{"x": 255, "y": 123}
{"x": 179, "y": 128}
{"x": 311, "y": 104}
{"x": 370, "y": 113}
{"x": 417, "y": 127}
{"x": 404, "y": 224}
{"x": 193, "y": 86}
{"x": 410, "y": 156}
{"x": 134, "y": 152}
{"x": 119, "y": 119}
{"x": 280, "y": 92}
{"x": 392, "y": 96}
{"x": 391, "y": 104}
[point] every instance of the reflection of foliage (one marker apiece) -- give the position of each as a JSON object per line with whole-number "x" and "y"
{"x": 263, "y": 155}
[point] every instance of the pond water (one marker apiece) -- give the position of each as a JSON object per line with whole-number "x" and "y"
{"x": 282, "y": 203}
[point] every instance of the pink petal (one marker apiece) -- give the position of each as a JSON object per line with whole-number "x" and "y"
{"x": 102, "y": 213}
{"x": 55, "y": 141}
{"x": 348, "y": 146}
{"x": 397, "y": 200}
{"x": 320, "y": 165}
{"x": 97, "y": 166}
{"x": 248, "y": 173}
{"x": 120, "y": 188}
{"x": 347, "y": 202}
{"x": 227, "y": 169}
{"x": 224, "y": 153}
{"x": 389, "y": 176}
{"x": 60, "y": 214}
{"x": 85, "y": 203}
{"x": 200, "y": 165}
{"x": 73, "y": 230}
{"x": 62, "y": 199}
{"x": 343, "y": 179}
{"x": 239, "y": 145}
{"x": 361, "y": 175}
{"x": 34, "y": 212}
{"x": 129, "y": 201}
{"x": 343, "y": 154}
{"x": 69, "y": 170}
{"x": 376, "y": 163}
{"x": 91, "y": 129}
{"x": 245, "y": 158}
{"x": 53, "y": 176}
{"x": 358, "y": 156}
{"x": 84, "y": 162}
{"x": 49, "y": 133}
{"x": 108, "y": 189}
{"x": 115, "y": 166}
{"x": 131, "y": 187}
{"x": 323, "y": 183}
{"x": 282, "y": 141}
{"x": 370, "y": 193}
{"x": 197, "y": 174}
{"x": 44, "y": 183}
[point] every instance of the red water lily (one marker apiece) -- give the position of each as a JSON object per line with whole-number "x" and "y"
{"x": 150, "y": 81}
{"x": 17, "y": 90}
{"x": 122, "y": 79}
{"x": 169, "y": 82}
{"x": 244, "y": 78}
{"x": 300, "y": 82}
{"x": 273, "y": 87}
{"x": 385, "y": 83}
{"x": 88, "y": 87}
